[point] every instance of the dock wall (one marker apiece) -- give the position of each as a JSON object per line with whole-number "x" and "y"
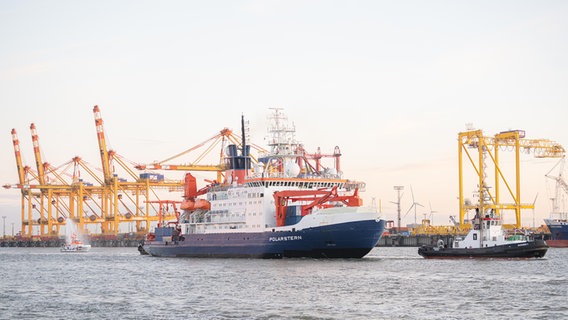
{"x": 413, "y": 241}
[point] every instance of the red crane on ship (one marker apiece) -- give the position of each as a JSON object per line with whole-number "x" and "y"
{"x": 319, "y": 198}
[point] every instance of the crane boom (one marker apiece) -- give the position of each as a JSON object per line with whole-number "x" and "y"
{"x": 102, "y": 144}
{"x": 189, "y": 167}
{"x": 19, "y": 165}
{"x": 37, "y": 154}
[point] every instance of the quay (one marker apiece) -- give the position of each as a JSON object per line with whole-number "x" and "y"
{"x": 395, "y": 240}
{"x": 387, "y": 240}
{"x": 120, "y": 241}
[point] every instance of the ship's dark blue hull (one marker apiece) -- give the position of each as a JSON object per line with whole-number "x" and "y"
{"x": 345, "y": 240}
{"x": 558, "y": 233}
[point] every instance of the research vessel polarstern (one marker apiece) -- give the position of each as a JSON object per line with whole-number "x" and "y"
{"x": 282, "y": 206}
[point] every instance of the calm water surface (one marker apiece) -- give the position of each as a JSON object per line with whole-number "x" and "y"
{"x": 389, "y": 283}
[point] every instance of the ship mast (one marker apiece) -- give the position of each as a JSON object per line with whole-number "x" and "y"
{"x": 282, "y": 139}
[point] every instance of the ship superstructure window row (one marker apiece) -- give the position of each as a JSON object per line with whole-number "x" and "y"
{"x": 296, "y": 184}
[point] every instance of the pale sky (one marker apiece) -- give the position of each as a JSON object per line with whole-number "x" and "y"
{"x": 391, "y": 83}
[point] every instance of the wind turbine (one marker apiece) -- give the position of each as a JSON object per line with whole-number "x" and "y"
{"x": 414, "y": 204}
{"x": 431, "y": 213}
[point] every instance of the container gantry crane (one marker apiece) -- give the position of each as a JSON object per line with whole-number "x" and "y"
{"x": 109, "y": 203}
{"x": 488, "y": 147}
{"x": 114, "y": 190}
{"x": 40, "y": 195}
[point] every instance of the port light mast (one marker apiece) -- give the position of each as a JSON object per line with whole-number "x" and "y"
{"x": 398, "y": 190}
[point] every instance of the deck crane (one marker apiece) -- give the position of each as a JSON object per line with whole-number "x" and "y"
{"x": 310, "y": 199}
{"x": 317, "y": 156}
{"x": 488, "y": 147}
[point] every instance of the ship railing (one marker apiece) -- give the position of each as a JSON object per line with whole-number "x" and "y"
{"x": 283, "y": 175}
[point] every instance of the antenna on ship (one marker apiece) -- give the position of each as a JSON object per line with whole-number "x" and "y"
{"x": 243, "y": 139}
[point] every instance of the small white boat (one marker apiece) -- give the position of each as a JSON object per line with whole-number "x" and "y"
{"x": 75, "y": 245}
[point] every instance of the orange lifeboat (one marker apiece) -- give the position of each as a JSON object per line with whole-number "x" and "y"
{"x": 194, "y": 204}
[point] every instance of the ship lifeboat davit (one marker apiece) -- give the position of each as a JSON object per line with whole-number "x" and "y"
{"x": 194, "y": 204}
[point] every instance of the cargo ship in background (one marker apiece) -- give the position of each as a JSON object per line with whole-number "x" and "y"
{"x": 558, "y": 232}
{"x": 557, "y": 223}
{"x": 281, "y": 206}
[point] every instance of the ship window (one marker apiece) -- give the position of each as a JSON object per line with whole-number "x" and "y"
{"x": 262, "y": 195}
{"x": 475, "y": 236}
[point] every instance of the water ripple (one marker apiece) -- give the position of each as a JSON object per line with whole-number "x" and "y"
{"x": 113, "y": 283}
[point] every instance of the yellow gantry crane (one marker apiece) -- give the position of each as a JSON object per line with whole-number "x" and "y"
{"x": 110, "y": 203}
{"x": 36, "y": 197}
{"x": 488, "y": 148}
{"x": 220, "y": 138}
{"x": 114, "y": 191}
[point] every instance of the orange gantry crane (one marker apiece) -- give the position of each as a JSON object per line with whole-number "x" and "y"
{"x": 488, "y": 151}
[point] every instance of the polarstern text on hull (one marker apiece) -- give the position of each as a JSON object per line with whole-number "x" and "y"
{"x": 288, "y": 238}
{"x": 285, "y": 204}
